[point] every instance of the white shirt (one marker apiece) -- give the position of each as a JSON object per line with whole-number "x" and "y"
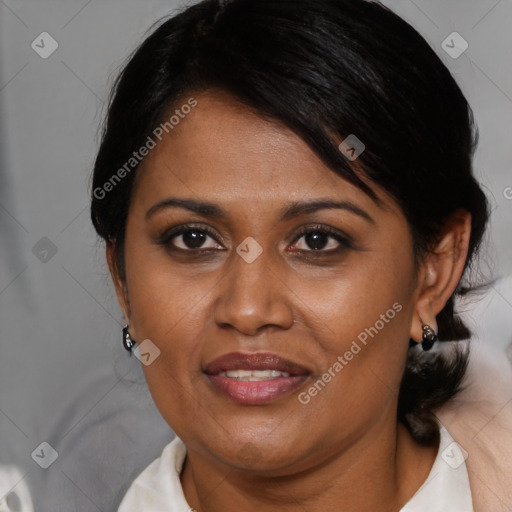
{"x": 158, "y": 487}
{"x": 14, "y": 493}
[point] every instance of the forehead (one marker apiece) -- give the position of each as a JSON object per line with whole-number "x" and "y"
{"x": 223, "y": 150}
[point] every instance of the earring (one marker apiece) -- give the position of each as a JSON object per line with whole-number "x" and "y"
{"x": 128, "y": 342}
{"x": 429, "y": 337}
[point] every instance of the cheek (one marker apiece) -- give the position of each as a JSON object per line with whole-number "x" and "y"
{"x": 365, "y": 299}
{"x": 169, "y": 310}
{"x": 164, "y": 296}
{"x": 363, "y": 329}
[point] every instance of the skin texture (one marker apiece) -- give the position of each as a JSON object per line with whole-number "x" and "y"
{"x": 343, "y": 447}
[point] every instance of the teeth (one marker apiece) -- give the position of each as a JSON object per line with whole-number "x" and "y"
{"x": 254, "y": 375}
{"x": 239, "y": 373}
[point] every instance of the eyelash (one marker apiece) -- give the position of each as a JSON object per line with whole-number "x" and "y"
{"x": 344, "y": 241}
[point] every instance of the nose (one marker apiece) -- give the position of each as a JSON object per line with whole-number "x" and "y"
{"x": 253, "y": 296}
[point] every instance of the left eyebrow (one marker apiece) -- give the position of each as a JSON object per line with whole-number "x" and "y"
{"x": 304, "y": 207}
{"x": 290, "y": 211}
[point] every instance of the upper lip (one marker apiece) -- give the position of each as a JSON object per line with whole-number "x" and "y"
{"x": 253, "y": 361}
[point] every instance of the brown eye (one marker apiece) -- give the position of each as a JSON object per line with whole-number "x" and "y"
{"x": 190, "y": 238}
{"x": 317, "y": 239}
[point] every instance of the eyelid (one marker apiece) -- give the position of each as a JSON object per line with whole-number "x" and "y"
{"x": 342, "y": 238}
{"x": 175, "y": 231}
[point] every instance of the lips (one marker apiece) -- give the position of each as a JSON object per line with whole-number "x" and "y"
{"x": 253, "y": 361}
{"x": 255, "y": 378}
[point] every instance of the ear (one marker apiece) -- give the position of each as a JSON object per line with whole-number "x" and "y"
{"x": 441, "y": 271}
{"x": 119, "y": 284}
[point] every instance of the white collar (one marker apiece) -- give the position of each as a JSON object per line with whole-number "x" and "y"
{"x": 447, "y": 485}
{"x": 158, "y": 488}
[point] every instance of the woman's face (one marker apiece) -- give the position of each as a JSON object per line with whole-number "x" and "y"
{"x": 242, "y": 284}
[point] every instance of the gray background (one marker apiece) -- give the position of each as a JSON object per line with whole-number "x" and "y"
{"x": 64, "y": 377}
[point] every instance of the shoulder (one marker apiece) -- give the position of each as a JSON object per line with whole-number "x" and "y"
{"x": 14, "y": 493}
{"x": 480, "y": 420}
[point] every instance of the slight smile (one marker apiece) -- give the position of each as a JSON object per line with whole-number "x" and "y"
{"x": 255, "y": 378}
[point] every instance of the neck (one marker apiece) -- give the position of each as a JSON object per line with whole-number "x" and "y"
{"x": 381, "y": 471}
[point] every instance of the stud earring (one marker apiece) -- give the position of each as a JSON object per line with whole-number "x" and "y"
{"x": 128, "y": 342}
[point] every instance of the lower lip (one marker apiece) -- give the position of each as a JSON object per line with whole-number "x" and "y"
{"x": 256, "y": 392}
